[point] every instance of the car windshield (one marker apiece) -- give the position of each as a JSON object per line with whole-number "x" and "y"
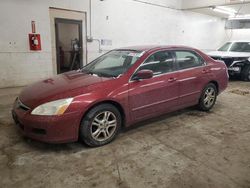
{"x": 240, "y": 47}
{"x": 113, "y": 63}
{"x": 225, "y": 47}
{"x": 236, "y": 47}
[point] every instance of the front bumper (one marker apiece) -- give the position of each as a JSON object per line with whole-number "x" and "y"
{"x": 50, "y": 129}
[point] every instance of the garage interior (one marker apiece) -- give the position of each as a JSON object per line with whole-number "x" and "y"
{"x": 187, "y": 148}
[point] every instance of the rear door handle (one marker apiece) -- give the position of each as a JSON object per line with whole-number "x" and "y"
{"x": 172, "y": 79}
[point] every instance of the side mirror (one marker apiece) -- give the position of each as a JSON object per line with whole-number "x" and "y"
{"x": 143, "y": 74}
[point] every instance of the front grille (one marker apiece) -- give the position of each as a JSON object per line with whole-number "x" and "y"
{"x": 17, "y": 121}
{"x": 21, "y": 105}
{"x": 227, "y": 60}
{"x": 24, "y": 108}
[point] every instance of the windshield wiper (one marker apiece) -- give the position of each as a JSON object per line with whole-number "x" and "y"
{"x": 87, "y": 72}
{"x": 101, "y": 74}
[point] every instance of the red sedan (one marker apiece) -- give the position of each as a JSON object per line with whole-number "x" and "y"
{"x": 117, "y": 89}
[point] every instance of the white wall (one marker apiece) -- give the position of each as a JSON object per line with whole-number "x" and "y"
{"x": 125, "y": 22}
{"x": 239, "y": 34}
{"x": 143, "y": 24}
{"x": 18, "y": 65}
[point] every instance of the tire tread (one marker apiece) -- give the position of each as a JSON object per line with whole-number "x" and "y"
{"x": 84, "y": 132}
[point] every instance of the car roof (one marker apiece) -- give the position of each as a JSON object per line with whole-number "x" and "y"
{"x": 153, "y": 47}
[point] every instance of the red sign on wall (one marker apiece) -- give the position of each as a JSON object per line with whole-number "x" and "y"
{"x": 35, "y": 42}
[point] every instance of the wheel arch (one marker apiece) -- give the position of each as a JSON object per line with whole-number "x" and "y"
{"x": 216, "y": 84}
{"x": 114, "y": 103}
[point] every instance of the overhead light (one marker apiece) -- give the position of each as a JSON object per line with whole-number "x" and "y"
{"x": 224, "y": 10}
{"x": 240, "y": 17}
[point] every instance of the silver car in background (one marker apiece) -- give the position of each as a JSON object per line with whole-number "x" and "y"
{"x": 236, "y": 55}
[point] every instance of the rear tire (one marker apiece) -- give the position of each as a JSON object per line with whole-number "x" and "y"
{"x": 100, "y": 125}
{"x": 208, "y": 97}
{"x": 245, "y": 75}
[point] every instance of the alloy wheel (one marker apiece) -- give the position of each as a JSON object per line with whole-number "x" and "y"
{"x": 209, "y": 97}
{"x": 103, "y": 126}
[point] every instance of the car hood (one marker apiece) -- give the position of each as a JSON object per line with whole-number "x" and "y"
{"x": 61, "y": 86}
{"x": 228, "y": 54}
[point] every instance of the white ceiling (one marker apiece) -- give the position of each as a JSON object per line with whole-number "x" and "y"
{"x": 190, "y": 4}
{"x": 241, "y": 9}
{"x": 204, "y": 7}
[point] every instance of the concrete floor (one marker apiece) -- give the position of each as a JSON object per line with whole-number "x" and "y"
{"x": 188, "y": 148}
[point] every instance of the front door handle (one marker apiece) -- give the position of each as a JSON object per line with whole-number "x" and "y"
{"x": 205, "y": 71}
{"x": 172, "y": 79}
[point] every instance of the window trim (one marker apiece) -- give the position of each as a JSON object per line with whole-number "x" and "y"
{"x": 175, "y": 67}
{"x": 193, "y": 52}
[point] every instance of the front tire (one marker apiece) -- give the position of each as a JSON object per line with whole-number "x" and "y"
{"x": 245, "y": 75}
{"x": 208, "y": 97}
{"x": 100, "y": 125}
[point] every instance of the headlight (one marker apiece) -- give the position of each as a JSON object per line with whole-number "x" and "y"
{"x": 249, "y": 59}
{"x": 236, "y": 69}
{"x": 57, "y": 107}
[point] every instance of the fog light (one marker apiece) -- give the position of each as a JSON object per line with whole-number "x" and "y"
{"x": 236, "y": 69}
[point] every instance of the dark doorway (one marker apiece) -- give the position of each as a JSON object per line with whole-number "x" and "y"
{"x": 69, "y": 54}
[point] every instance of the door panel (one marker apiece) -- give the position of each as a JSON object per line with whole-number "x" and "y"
{"x": 191, "y": 84}
{"x": 193, "y": 76}
{"x": 151, "y": 97}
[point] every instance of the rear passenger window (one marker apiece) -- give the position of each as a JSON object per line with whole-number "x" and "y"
{"x": 160, "y": 62}
{"x": 187, "y": 59}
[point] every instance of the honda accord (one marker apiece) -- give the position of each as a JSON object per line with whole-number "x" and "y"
{"x": 118, "y": 89}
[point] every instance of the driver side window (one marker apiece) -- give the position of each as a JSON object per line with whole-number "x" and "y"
{"x": 159, "y": 62}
